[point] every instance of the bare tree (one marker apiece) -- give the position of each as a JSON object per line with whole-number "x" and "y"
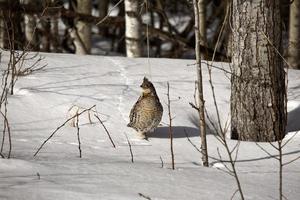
{"x": 258, "y": 93}
{"x": 133, "y": 28}
{"x": 83, "y": 29}
{"x": 2, "y": 28}
{"x": 202, "y": 22}
{"x": 294, "y": 35}
{"x": 201, "y": 107}
{"x": 30, "y": 26}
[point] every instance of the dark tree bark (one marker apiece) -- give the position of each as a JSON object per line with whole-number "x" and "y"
{"x": 258, "y": 96}
{"x": 12, "y": 25}
{"x": 103, "y": 11}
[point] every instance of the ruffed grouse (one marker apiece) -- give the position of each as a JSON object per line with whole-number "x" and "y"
{"x": 147, "y": 112}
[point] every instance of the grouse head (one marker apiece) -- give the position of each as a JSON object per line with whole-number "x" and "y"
{"x": 148, "y": 87}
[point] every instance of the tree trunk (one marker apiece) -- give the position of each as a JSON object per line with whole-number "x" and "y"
{"x": 258, "y": 94}
{"x": 202, "y": 21}
{"x": 133, "y": 28}
{"x": 45, "y": 39}
{"x": 2, "y": 31}
{"x": 197, "y": 11}
{"x": 30, "y": 26}
{"x": 294, "y": 35}
{"x": 103, "y": 10}
{"x": 83, "y": 29}
{"x": 12, "y": 23}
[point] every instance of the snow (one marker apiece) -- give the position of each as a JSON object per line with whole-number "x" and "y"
{"x": 42, "y": 102}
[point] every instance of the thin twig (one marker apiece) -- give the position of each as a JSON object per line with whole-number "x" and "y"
{"x": 222, "y": 134}
{"x": 281, "y": 56}
{"x": 188, "y": 138}
{"x": 291, "y": 161}
{"x": 161, "y": 161}
{"x": 145, "y": 197}
{"x": 130, "y": 148}
{"x": 264, "y": 150}
{"x": 112, "y": 142}
{"x": 102, "y": 20}
{"x": 7, "y": 126}
{"x": 221, "y": 160}
{"x": 62, "y": 125}
{"x": 237, "y": 151}
{"x": 78, "y": 136}
{"x": 234, "y": 193}
{"x": 290, "y": 139}
{"x": 170, "y": 126}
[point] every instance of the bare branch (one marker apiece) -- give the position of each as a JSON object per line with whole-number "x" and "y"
{"x": 145, "y": 197}
{"x": 78, "y": 136}
{"x": 170, "y": 126}
{"x": 188, "y": 138}
{"x": 290, "y": 139}
{"x": 102, "y": 20}
{"x": 264, "y": 150}
{"x": 291, "y": 161}
{"x": 62, "y": 125}
{"x": 234, "y": 193}
{"x": 107, "y": 132}
{"x": 130, "y": 148}
{"x": 162, "y": 162}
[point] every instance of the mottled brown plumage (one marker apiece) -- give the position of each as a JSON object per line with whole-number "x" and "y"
{"x": 147, "y": 112}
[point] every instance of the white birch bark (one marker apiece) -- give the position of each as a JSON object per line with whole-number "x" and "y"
{"x": 83, "y": 29}
{"x": 2, "y": 32}
{"x": 294, "y": 35}
{"x": 133, "y": 28}
{"x": 55, "y": 35}
{"x": 30, "y": 26}
{"x": 202, "y": 21}
{"x": 201, "y": 106}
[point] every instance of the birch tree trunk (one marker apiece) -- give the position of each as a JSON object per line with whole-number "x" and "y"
{"x": 2, "y": 30}
{"x": 83, "y": 29}
{"x": 30, "y": 26}
{"x": 55, "y": 35}
{"x": 294, "y": 35}
{"x": 258, "y": 94}
{"x": 202, "y": 21}
{"x": 198, "y": 18}
{"x": 133, "y": 28}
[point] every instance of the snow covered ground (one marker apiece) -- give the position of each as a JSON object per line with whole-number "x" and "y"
{"x": 41, "y": 104}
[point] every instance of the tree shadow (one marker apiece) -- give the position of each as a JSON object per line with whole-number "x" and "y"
{"x": 293, "y": 120}
{"x": 178, "y": 132}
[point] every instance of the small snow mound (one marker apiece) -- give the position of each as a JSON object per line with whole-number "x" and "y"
{"x": 73, "y": 143}
{"x": 22, "y": 92}
{"x": 218, "y": 165}
{"x": 22, "y": 140}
